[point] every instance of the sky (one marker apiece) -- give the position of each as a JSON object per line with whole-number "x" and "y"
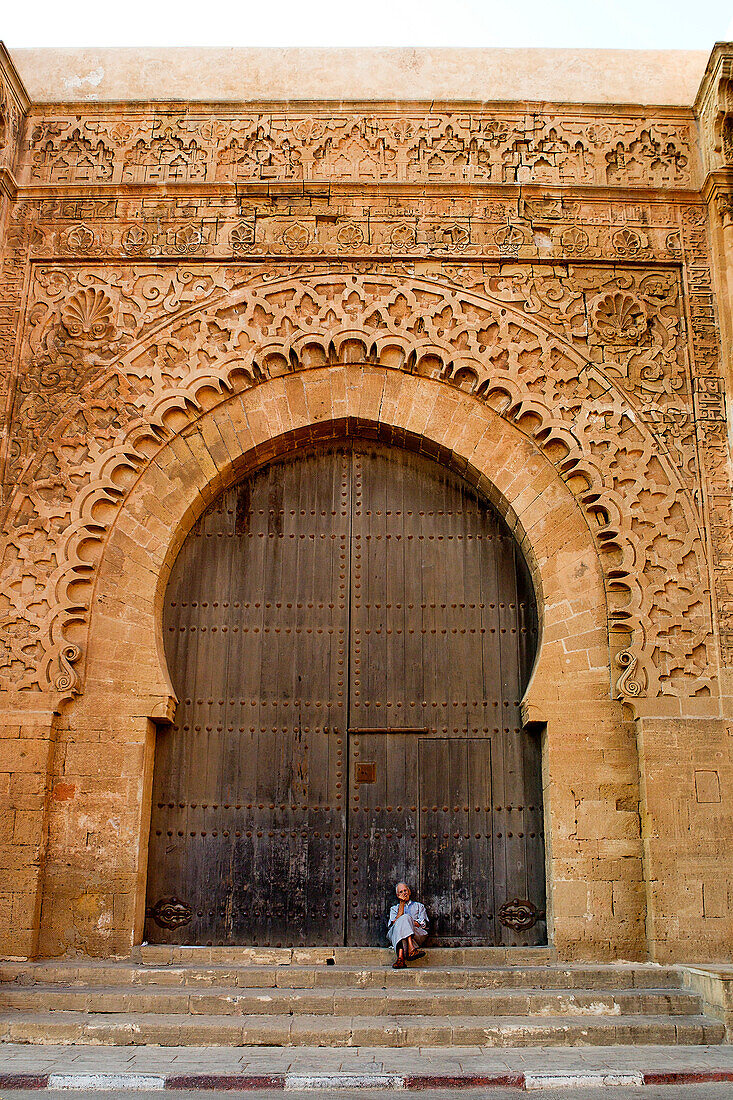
{"x": 584, "y": 24}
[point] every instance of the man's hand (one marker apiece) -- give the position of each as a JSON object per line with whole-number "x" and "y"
{"x": 401, "y": 909}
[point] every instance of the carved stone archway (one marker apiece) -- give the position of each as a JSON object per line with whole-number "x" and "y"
{"x": 184, "y": 347}
{"x": 127, "y": 690}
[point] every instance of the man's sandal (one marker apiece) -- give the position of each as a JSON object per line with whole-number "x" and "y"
{"x": 416, "y": 955}
{"x": 398, "y": 964}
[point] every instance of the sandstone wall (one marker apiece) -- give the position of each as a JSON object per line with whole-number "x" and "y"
{"x": 535, "y": 294}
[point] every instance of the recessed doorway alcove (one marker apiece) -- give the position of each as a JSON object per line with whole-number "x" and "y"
{"x": 349, "y": 632}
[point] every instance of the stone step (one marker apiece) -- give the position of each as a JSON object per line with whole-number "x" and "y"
{"x": 579, "y": 976}
{"x": 361, "y": 956}
{"x": 350, "y": 1002}
{"x": 128, "y": 1029}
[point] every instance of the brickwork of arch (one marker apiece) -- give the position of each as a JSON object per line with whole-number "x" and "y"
{"x": 243, "y": 431}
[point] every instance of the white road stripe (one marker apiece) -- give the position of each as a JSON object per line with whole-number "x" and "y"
{"x": 580, "y": 1080}
{"x": 135, "y": 1082}
{"x": 308, "y": 1081}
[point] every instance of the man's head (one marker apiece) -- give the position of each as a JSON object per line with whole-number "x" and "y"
{"x": 402, "y": 890}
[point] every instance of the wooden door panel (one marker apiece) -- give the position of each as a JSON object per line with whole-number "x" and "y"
{"x": 249, "y": 816}
{"x": 443, "y": 631}
{"x": 456, "y": 833}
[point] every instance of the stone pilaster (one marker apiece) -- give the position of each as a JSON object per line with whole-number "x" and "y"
{"x": 596, "y": 902}
{"x": 14, "y": 103}
{"x": 98, "y": 822}
{"x": 686, "y": 775}
{"x": 714, "y": 109}
{"x": 27, "y": 736}
{"x": 714, "y": 392}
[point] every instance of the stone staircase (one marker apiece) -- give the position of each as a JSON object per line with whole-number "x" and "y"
{"x": 215, "y": 996}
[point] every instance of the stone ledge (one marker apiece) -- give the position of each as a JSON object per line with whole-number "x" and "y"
{"x": 664, "y": 77}
{"x": 714, "y": 985}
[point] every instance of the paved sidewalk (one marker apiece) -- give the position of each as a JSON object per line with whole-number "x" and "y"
{"x": 305, "y": 1068}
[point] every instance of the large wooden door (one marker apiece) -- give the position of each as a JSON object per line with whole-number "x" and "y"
{"x": 442, "y": 638}
{"x": 349, "y": 633}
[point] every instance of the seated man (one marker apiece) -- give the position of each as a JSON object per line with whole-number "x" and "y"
{"x": 407, "y": 927}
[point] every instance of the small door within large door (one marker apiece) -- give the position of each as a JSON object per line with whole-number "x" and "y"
{"x": 420, "y": 811}
{"x": 457, "y": 838}
{"x": 384, "y": 822}
{"x": 349, "y": 633}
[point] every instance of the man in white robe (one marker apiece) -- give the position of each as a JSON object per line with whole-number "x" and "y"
{"x": 407, "y": 927}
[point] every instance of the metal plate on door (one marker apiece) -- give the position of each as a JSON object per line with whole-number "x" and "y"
{"x": 366, "y": 773}
{"x": 361, "y": 730}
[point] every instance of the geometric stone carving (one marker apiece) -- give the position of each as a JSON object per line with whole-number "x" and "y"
{"x": 203, "y": 336}
{"x": 508, "y": 146}
{"x": 589, "y": 357}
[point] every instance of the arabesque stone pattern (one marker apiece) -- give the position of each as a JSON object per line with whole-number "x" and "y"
{"x": 537, "y": 296}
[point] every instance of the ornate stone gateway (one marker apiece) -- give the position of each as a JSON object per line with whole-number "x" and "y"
{"x": 537, "y": 296}
{"x": 349, "y": 633}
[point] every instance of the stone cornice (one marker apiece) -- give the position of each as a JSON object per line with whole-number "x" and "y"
{"x": 719, "y": 65}
{"x": 13, "y": 80}
{"x": 8, "y": 184}
{"x": 714, "y": 109}
{"x": 717, "y": 181}
{"x": 291, "y": 191}
{"x": 328, "y": 107}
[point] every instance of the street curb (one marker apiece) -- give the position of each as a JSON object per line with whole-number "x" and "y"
{"x": 688, "y": 1077}
{"x": 291, "y": 1082}
{"x": 225, "y": 1081}
{"x": 468, "y": 1081}
{"x": 23, "y": 1080}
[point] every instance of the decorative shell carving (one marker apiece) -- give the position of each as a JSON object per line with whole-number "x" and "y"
{"x": 619, "y": 317}
{"x": 87, "y": 315}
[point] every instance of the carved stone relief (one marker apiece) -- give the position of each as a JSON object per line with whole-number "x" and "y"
{"x": 111, "y": 352}
{"x": 715, "y": 110}
{"x": 545, "y": 227}
{"x": 504, "y": 147}
{"x": 583, "y": 313}
{"x": 11, "y": 120}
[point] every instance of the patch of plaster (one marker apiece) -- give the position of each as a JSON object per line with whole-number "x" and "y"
{"x": 77, "y": 83}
